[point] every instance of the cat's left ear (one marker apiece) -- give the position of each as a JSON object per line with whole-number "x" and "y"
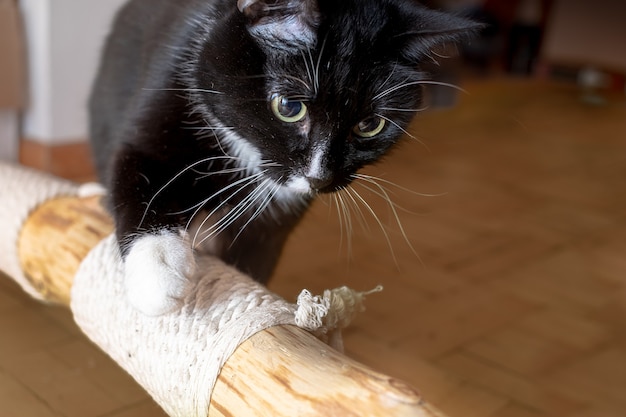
{"x": 430, "y": 29}
{"x": 282, "y": 25}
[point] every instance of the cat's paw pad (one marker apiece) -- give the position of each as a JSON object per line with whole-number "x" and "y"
{"x": 158, "y": 270}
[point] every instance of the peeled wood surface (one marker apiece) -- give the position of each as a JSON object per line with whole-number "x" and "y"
{"x": 293, "y": 374}
{"x": 282, "y": 371}
{"x": 55, "y": 239}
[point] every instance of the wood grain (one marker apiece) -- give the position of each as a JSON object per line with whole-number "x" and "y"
{"x": 282, "y": 371}
{"x": 56, "y": 238}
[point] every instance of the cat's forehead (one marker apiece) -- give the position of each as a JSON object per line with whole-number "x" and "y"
{"x": 378, "y": 30}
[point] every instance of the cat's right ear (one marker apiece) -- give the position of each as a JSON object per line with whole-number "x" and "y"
{"x": 282, "y": 25}
{"x": 428, "y": 29}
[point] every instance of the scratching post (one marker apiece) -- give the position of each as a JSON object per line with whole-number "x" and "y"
{"x": 233, "y": 349}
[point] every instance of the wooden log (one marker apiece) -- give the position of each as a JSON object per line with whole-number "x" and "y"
{"x": 281, "y": 371}
{"x": 54, "y": 240}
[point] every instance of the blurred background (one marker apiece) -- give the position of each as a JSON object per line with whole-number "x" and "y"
{"x": 500, "y": 234}
{"x": 50, "y": 52}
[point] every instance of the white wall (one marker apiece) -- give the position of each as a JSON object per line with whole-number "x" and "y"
{"x": 64, "y": 40}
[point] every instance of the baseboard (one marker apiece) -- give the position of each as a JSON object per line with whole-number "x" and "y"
{"x": 72, "y": 161}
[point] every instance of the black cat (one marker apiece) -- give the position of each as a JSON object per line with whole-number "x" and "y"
{"x": 215, "y": 122}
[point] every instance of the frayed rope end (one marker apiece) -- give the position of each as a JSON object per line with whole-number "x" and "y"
{"x": 331, "y": 312}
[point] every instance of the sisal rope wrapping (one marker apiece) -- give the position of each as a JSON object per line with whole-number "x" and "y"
{"x": 21, "y": 191}
{"x": 176, "y": 357}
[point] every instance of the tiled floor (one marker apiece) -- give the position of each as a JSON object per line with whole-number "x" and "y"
{"x": 514, "y": 304}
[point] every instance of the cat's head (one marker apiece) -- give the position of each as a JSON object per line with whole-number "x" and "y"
{"x": 313, "y": 90}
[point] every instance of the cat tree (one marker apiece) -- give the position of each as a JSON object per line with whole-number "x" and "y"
{"x": 233, "y": 349}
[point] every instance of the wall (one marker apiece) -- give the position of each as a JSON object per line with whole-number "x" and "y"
{"x": 64, "y": 39}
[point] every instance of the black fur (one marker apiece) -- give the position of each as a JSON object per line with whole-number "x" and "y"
{"x": 173, "y": 70}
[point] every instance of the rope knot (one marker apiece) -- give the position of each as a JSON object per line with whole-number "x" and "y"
{"x": 326, "y": 315}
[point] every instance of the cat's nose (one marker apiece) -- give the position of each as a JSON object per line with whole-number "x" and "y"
{"x": 319, "y": 184}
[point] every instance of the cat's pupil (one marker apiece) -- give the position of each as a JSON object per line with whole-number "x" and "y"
{"x": 289, "y": 108}
{"x": 370, "y": 127}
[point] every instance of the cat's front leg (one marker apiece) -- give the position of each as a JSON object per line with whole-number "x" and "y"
{"x": 158, "y": 258}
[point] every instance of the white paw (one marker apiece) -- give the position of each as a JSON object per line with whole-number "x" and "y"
{"x": 158, "y": 270}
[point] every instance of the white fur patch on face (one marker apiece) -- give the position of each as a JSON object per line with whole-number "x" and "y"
{"x": 315, "y": 166}
{"x": 158, "y": 270}
{"x": 299, "y": 185}
{"x": 247, "y": 154}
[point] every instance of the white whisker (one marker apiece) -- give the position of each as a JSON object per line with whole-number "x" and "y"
{"x": 347, "y": 221}
{"x": 221, "y": 172}
{"x": 381, "y": 195}
{"x": 190, "y": 90}
{"x": 213, "y": 129}
{"x": 380, "y": 223}
{"x": 422, "y": 82}
{"x": 244, "y": 182}
{"x": 388, "y": 78}
{"x": 175, "y": 177}
{"x": 405, "y": 110}
{"x": 317, "y": 65}
{"x": 261, "y": 207}
{"x": 361, "y": 216}
{"x": 236, "y": 212}
{"x": 372, "y": 179}
{"x": 306, "y": 65}
{"x": 385, "y": 196}
{"x": 336, "y": 200}
{"x": 406, "y": 132}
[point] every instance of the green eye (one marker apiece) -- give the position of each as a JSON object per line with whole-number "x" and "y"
{"x": 288, "y": 111}
{"x": 370, "y": 127}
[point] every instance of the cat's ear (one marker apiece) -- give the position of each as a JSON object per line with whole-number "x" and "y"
{"x": 430, "y": 29}
{"x": 282, "y": 24}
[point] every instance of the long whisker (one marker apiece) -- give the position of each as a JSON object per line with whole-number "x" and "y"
{"x": 234, "y": 214}
{"x": 336, "y": 200}
{"x": 221, "y": 172}
{"x": 208, "y": 128}
{"x": 203, "y": 202}
{"x": 422, "y": 82}
{"x": 380, "y": 223}
{"x": 404, "y": 131}
{"x": 370, "y": 178}
{"x": 190, "y": 90}
{"x": 261, "y": 208}
{"x": 394, "y": 212}
{"x": 298, "y": 80}
{"x": 235, "y": 170}
{"x": 388, "y": 77}
{"x": 175, "y": 177}
{"x": 357, "y": 208}
{"x": 241, "y": 208}
{"x": 347, "y": 221}
{"x": 306, "y": 65}
{"x": 397, "y": 125}
{"x": 405, "y": 110}
{"x": 317, "y": 65}
{"x": 244, "y": 182}
{"x": 381, "y": 195}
